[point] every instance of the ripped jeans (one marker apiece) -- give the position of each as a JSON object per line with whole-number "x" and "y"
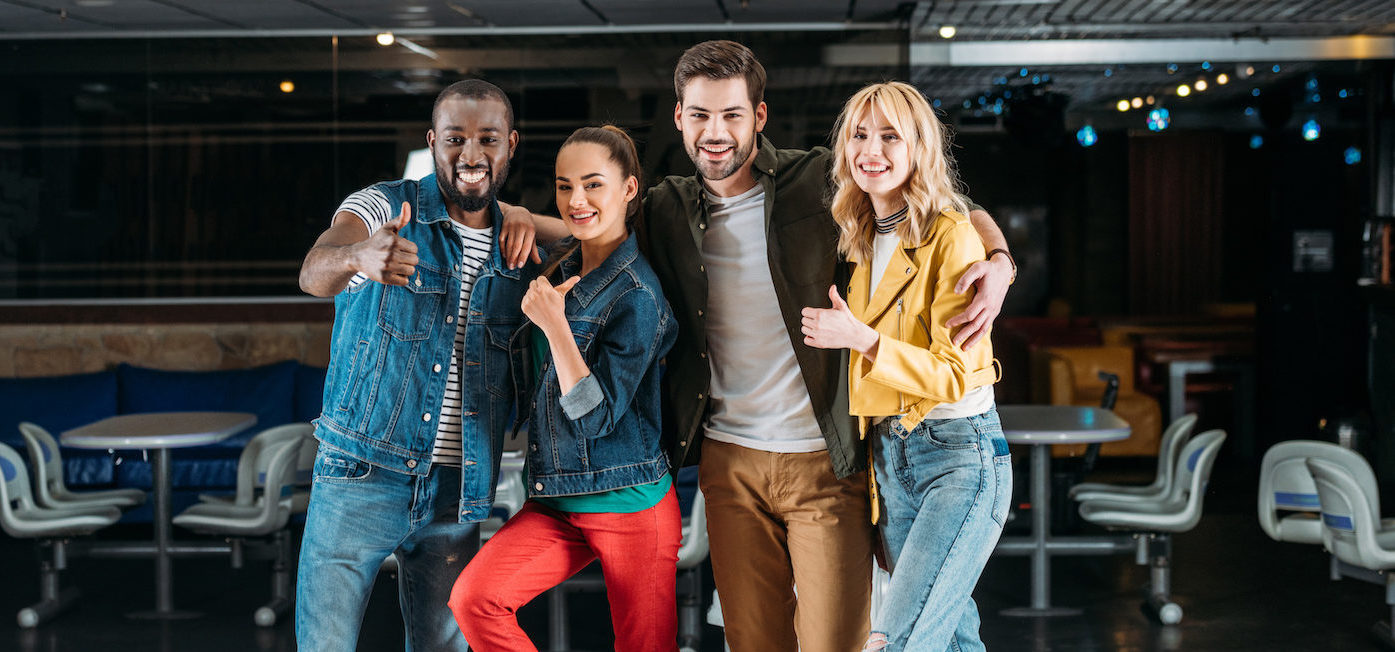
{"x": 945, "y": 486}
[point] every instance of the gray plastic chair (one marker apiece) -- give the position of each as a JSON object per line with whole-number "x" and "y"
{"x": 1351, "y": 516}
{"x": 49, "y": 489}
{"x": 1155, "y": 521}
{"x": 274, "y": 473}
{"x": 20, "y": 517}
{"x": 1169, "y": 449}
{"x": 1288, "y": 499}
{"x": 247, "y": 482}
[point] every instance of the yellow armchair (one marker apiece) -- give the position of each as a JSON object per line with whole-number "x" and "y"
{"x": 1073, "y": 379}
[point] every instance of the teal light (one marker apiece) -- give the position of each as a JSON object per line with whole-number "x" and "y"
{"x": 1086, "y": 136}
{"x": 1312, "y": 130}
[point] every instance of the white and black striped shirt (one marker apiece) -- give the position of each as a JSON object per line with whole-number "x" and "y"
{"x": 375, "y": 210}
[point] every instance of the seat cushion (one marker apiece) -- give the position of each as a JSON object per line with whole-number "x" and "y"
{"x": 266, "y": 391}
{"x": 309, "y": 392}
{"x": 60, "y": 403}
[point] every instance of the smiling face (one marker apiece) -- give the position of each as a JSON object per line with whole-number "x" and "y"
{"x": 719, "y": 125}
{"x": 878, "y": 156}
{"x": 471, "y": 143}
{"x": 593, "y": 194}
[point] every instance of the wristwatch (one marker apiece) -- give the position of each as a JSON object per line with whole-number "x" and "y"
{"x": 1012, "y": 262}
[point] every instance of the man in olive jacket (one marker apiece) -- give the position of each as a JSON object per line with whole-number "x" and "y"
{"x": 740, "y": 249}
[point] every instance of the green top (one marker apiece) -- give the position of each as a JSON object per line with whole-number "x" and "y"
{"x": 616, "y": 501}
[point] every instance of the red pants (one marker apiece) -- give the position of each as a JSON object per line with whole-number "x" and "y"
{"x": 540, "y": 548}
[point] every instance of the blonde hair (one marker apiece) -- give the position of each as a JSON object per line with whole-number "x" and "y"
{"x": 932, "y": 187}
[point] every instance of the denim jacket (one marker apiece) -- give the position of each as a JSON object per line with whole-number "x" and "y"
{"x": 391, "y": 348}
{"x": 604, "y": 434}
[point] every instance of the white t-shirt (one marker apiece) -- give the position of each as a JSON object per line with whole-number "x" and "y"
{"x": 977, "y": 400}
{"x": 758, "y": 395}
{"x": 375, "y": 210}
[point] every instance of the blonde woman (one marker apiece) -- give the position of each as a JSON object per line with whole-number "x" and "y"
{"x": 941, "y": 465}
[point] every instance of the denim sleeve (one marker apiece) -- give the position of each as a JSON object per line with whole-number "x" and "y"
{"x": 586, "y": 394}
{"x": 638, "y": 332}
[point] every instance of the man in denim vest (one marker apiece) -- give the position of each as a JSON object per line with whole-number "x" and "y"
{"x": 419, "y": 390}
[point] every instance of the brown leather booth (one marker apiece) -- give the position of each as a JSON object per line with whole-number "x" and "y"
{"x": 1073, "y": 379}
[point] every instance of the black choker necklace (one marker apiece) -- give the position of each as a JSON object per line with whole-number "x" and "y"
{"x": 888, "y": 224}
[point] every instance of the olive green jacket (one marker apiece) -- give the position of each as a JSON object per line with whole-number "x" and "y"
{"x": 802, "y": 244}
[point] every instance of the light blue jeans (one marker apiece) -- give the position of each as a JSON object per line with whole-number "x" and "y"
{"x": 945, "y": 487}
{"x": 359, "y": 514}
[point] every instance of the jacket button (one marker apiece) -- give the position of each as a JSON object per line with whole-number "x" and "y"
{"x": 699, "y": 397}
{"x": 682, "y": 443}
{"x": 703, "y": 355}
{"x": 538, "y": 486}
{"x": 426, "y": 417}
{"x": 702, "y": 268}
{"x": 450, "y": 319}
{"x": 533, "y": 447}
{"x": 436, "y": 368}
{"x": 702, "y": 226}
{"x": 411, "y": 464}
{"x": 699, "y": 313}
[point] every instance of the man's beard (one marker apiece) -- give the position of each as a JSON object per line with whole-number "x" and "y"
{"x": 739, "y": 156}
{"x": 445, "y": 180}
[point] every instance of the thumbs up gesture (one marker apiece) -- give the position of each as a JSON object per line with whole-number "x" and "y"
{"x": 545, "y": 306}
{"x": 386, "y": 257}
{"x": 836, "y": 327}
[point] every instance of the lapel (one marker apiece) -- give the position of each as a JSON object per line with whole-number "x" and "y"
{"x": 899, "y": 272}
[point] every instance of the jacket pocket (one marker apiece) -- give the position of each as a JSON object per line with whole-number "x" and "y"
{"x": 409, "y": 312}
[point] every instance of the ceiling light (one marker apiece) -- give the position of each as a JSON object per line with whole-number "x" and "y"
{"x": 1352, "y": 155}
{"x": 1122, "y": 105}
{"x": 385, "y": 39}
{"x": 1200, "y": 85}
{"x": 1184, "y": 90}
{"x": 1158, "y": 119}
{"x": 287, "y": 86}
{"x": 1137, "y": 102}
{"x": 1222, "y": 79}
{"x": 1249, "y": 70}
{"x": 1150, "y": 100}
{"x": 1312, "y": 130}
{"x": 947, "y": 31}
{"x": 1086, "y": 136}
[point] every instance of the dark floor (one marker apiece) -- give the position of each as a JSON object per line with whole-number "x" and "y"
{"x": 1240, "y": 591}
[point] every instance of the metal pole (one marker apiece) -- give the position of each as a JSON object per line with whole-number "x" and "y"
{"x": 160, "y": 477}
{"x": 1041, "y": 526}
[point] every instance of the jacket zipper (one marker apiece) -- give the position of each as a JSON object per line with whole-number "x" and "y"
{"x": 900, "y": 397}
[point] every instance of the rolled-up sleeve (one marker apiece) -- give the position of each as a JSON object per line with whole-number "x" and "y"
{"x": 585, "y": 396}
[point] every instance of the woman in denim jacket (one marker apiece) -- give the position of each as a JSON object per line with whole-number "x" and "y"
{"x": 938, "y": 452}
{"x": 598, "y": 480}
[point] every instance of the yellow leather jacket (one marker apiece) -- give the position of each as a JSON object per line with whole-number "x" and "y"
{"x": 917, "y": 366}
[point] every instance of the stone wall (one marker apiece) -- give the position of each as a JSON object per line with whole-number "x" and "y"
{"x": 28, "y": 350}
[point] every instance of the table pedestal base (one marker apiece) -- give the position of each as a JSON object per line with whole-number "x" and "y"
{"x": 164, "y": 615}
{"x": 1040, "y": 612}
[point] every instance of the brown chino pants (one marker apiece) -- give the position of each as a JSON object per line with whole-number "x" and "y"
{"x": 777, "y": 521}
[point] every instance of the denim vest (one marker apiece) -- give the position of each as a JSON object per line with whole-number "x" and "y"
{"x": 605, "y": 433}
{"x": 391, "y": 349}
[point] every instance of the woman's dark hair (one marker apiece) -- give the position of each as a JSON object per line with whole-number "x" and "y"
{"x": 622, "y": 151}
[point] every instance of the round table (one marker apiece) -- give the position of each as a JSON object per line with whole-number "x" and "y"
{"x": 160, "y": 431}
{"x": 1041, "y": 426}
